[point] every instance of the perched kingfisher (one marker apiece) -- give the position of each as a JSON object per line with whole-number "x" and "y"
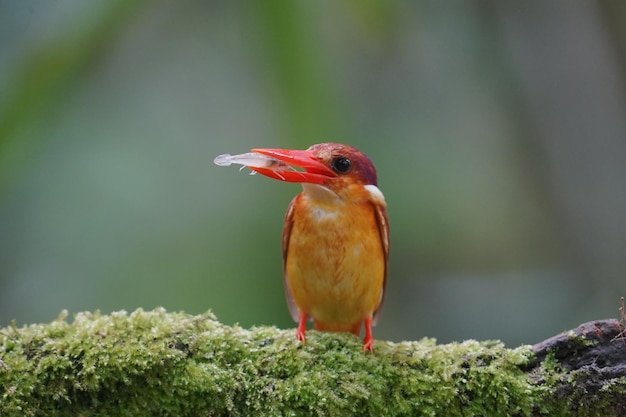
{"x": 335, "y": 238}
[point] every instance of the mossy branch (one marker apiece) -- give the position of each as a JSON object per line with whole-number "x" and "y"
{"x": 174, "y": 364}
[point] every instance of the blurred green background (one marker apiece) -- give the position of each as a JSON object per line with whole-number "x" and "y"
{"x": 497, "y": 128}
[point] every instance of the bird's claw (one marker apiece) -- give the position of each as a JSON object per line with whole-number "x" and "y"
{"x": 368, "y": 346}
{"x": 301, "y": 327}
{"x": 368, "y": 341}
{"x": 300, "y": 335}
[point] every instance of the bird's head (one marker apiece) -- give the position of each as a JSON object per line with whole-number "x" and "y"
{"x": 336, "y": 167}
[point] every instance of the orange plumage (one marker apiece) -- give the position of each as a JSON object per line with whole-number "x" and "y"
{"x": 335, "y": 239}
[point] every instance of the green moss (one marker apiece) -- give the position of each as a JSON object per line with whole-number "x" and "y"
{"x": 174, "y": 364}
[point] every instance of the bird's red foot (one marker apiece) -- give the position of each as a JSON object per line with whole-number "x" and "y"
{"x": 368, "y": 341}
{"x": 301, "y": 327}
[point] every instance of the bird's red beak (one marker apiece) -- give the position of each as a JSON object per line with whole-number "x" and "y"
{"x": 314, "y": 172}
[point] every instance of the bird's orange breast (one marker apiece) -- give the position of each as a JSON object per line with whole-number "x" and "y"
{"x": 335, "y": 262}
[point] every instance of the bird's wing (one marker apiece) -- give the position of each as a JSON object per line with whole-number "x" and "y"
{"x": 383, "y": 229}
{"x": 293, "y": 309}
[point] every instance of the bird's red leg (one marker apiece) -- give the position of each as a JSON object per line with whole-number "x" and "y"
{"x": 368, "y": 341}
{"x": 301, "y": 327}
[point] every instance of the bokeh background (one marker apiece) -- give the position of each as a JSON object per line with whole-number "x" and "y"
{"x": 497, "y": 128}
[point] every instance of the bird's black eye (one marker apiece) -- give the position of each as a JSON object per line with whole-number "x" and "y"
{"x": 341, "y": 165}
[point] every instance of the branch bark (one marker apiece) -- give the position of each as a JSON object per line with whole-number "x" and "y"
{"x": 174, "y": 364}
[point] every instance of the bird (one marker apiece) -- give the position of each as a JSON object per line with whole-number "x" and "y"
{"x": 335, "y": 239}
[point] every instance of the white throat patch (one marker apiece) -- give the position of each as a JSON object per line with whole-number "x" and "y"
{"x": 320, "y": 193}
{"x": 326, "y": 201}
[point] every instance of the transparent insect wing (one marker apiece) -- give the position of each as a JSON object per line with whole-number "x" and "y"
{"x": 222, "y": 160}
{"x": 253, "y": 160}
{"x": 249, "y": 159}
